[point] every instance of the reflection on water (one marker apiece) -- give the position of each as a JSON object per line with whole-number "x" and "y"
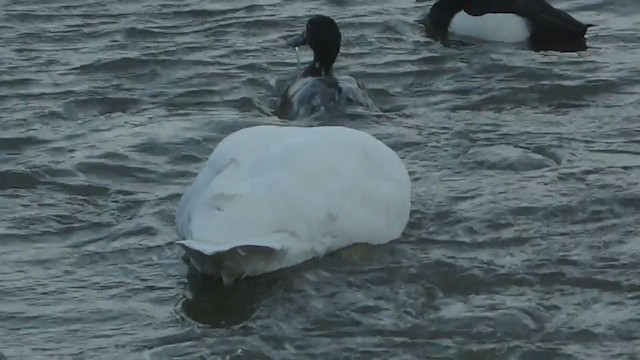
{"x": 209, "y": 302}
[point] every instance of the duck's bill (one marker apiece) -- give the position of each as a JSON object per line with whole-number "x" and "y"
{"x": 423, "y": 19}
{"x": 297, "y": 41}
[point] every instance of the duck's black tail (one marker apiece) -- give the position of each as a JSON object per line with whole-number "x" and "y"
{"x": 585, "y": 28}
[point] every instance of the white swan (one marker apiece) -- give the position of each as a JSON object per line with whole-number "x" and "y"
{"x": 270, "y": 197}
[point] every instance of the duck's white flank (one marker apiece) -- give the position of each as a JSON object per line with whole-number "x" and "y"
{"x": 491, "y": 27}
{"x": 270, "y": 197}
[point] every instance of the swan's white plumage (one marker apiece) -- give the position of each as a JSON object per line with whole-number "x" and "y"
{"x": 491, "y": 27}
{"x": 270, "y": 197}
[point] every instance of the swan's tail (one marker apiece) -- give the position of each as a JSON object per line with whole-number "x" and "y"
{"x": 238, "y": 260}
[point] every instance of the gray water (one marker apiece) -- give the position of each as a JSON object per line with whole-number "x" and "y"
{"x": 524, "y": 236}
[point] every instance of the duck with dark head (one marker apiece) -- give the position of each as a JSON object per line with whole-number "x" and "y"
{"x": 317, "y": 89}
{"x": 323, "y": 37}
{"x": 543, "y": 26}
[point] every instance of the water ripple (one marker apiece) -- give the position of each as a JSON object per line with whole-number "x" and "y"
{"x": 523, "y": 235}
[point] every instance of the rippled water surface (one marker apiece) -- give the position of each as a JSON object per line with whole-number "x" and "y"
{"x": 524, "y": 236}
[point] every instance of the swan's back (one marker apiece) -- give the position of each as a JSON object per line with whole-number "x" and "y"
{"x": 299, "y": 191}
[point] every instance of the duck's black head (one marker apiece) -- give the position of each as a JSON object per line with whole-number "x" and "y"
{"x": 441, "y": 13}
{"x": 323, "y": 36}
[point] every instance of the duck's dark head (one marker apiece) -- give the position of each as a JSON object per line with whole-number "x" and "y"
{"x": 323, "y": 36}
{"x": 441, "y": 13}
